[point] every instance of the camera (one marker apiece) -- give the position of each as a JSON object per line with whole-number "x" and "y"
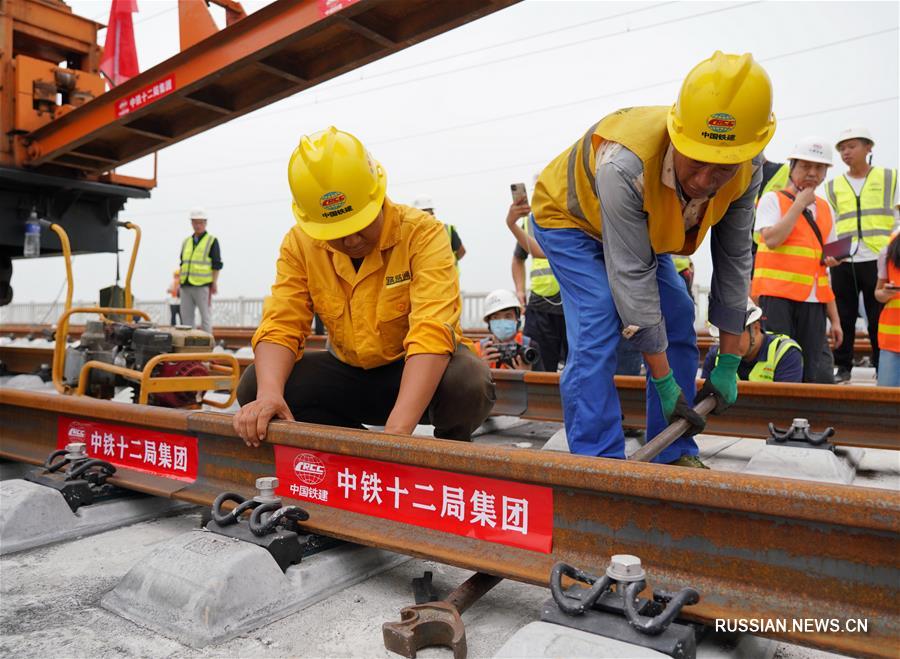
{"x": 509, "y": 352}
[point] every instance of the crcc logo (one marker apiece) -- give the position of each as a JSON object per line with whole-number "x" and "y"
{"x": 76, "y": 433}
{"x": 309, "y": 469}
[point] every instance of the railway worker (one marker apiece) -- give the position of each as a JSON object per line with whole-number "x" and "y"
{"x": 765, "y": 357}
{"x": 506, "y": 346}
{"x": 382, "y": 278}
{"x": 790, "y": 281}
{"x": 661, "y": 178}
{"x": 201, "y": 262}
{"x": 864, "y": 202}
{"x": 887, "y": 292}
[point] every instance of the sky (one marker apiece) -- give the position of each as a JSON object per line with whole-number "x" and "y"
{"x": 463, "y": 115}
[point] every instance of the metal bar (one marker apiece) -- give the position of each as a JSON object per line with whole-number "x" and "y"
{"x": 755, "y": 547}
{"x": 672, "y": 432}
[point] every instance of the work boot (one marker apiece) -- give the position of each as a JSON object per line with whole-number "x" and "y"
{"x": 689, "y": 461}
{"x": 842, "y": 375}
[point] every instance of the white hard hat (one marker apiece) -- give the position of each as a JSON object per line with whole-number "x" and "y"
{"x": 754, "y": 313}
{"x": 198, "y": 214}
{"x": 812, "y": 149}
{"x": 499, "y": 300}
{"x": 423, "y": 202}
{"x": 854, "y": 132}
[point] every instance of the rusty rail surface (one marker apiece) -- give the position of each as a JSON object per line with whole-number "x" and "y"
{"x": 755, "y": 547}
{"x": 862, "y": 416}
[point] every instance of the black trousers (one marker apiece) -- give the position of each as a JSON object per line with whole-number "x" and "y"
{"x": 175, "y": 314}
{"x": 548, "y": 330}
{"x": 848, "y": 280}
{"x": 323, "y": 389}
{"x": 805, "y": 323}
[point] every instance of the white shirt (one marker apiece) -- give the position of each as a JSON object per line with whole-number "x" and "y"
{"x": 768, "y": 213}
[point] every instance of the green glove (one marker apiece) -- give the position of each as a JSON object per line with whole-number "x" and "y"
{"x": 722, "y": 382}
{"x": 668, "y": 391}
{"x": 674, "y": 404}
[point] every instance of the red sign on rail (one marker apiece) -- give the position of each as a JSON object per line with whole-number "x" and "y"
{"x": 328, "y": 7}
{"x": 146, "y": 95}
{"x": 488, "y": 509}
{"x": 159, "y": 453}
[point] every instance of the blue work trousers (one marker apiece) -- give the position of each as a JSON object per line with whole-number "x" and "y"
{"x": 590, "y": 402}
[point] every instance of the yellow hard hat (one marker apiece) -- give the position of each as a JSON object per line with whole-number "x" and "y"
{"x": 723, "y": 113}
{"x": 338, "y": 188}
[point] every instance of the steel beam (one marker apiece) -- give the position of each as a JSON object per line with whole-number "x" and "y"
{"x": 755, "y": 547}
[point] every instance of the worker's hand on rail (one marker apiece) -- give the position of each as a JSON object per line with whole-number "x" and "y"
{"x": 675, "y": 406}
{"x": 722, "y": 383}
{"x": 252, "y": 420}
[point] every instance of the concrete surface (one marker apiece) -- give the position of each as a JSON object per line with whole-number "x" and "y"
{"x": 805, "y": 463}
{"x": 201, "y": 588}
{"x": 32, "y": 515}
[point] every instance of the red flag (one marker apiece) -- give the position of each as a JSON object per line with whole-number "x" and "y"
{"x": 119, "y": 61}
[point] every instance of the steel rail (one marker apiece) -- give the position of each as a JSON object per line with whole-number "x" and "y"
{"x": 862, "y": 416}
{"x": 238, "y": 337}
{"x": 755, "y": 547}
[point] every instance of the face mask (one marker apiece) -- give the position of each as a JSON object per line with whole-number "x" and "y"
{"x": 503, "y": 329}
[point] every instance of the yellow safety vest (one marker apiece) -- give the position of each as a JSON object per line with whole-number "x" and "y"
{"x": 196, "y": 264}
{"x": 765, "y": 371}
{"x": 543, "y": 281}
{"x": 565, "y": 195}
{"x": 778, "y": 181}
{"x": 869, "y": 216}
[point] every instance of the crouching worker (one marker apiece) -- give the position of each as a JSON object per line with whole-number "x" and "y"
{"x": 383, "y": 280}
{"x": 507, "y": 347}
{"x": 765, "y": 356}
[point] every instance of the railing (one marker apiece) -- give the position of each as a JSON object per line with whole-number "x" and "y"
{"x": 242, "y": 311}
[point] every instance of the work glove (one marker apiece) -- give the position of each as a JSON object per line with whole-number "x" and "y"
{"x": 722, "y": 383}
{"x": 674, "y": 404}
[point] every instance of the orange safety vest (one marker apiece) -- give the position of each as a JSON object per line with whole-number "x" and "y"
{"x": 889, "y": 320}
{"x": 789, "y": 270}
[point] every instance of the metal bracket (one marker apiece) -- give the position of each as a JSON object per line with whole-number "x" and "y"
{"x": 799, "y": 435}
{"x": 84, "y": 480}
{"x": 271, "y": 526}
{"x": 611, "y": 608}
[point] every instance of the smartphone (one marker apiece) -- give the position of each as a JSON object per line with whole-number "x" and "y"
{"x": 519, "y": 194}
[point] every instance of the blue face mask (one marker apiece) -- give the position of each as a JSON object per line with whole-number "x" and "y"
{"x": 504, "y": 329}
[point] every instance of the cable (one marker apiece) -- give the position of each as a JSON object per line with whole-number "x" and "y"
{"x": 557, "y": 106}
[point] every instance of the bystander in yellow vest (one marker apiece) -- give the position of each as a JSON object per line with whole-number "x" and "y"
{"x": 870, "y": 215}
{"x": 543, "y": 281}
{"x": 196, "y": 264}
{"x": 789, "y": 270}
{"x": 565, "y": 196}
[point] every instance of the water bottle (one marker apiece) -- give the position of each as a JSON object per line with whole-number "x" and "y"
{"x": 32, "y": 245}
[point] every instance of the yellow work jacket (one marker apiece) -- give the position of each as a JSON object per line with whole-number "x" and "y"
{"x": 403, "y": 301}
{"x": 565, "y": 195}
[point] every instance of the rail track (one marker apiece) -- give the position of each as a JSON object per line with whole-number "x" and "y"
{"x": 755, "y": 547}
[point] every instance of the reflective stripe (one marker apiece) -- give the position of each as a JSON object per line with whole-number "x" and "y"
{"x": 586, "y": 157}
{"x": 889, "y": 329}
{"x": 867, "y": 211}
{"x": 542, "y": 271}
{"x": 778, "y": 347}
{"x": 793, "y": 250}
{"x": 888, "y": 188}
{"x": 781, "y": 275}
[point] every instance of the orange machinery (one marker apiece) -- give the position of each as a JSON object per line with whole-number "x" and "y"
{"x": 62, "y": 136}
